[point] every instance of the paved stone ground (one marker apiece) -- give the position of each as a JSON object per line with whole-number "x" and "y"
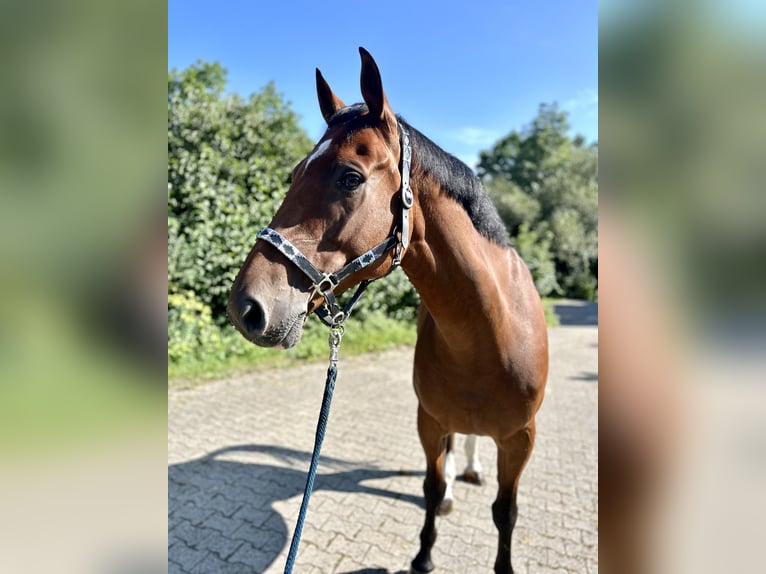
{"x": 239, "y": 449}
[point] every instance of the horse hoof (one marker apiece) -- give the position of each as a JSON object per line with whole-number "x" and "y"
{"x": 414, "y": 570}
{"x": 444, "y": 508}
{"x": 473, "y": 477}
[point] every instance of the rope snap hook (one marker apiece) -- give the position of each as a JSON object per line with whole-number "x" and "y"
{"x": 336, "y": 334}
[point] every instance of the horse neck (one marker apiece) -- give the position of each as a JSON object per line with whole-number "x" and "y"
{"x": 463, "y": 278}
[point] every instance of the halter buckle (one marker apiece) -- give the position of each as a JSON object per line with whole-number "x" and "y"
{"x": 397, "y": 259}
{"x": 407, "y": 197}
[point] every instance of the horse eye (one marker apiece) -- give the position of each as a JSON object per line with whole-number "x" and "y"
{"x": 350, "y": 181}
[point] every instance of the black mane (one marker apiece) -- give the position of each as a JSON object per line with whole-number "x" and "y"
{"x": 455, "y": 177}
{"x": 460, "y": 183}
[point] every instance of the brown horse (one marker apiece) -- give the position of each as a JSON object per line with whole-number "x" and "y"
{"x": 481, "y": 359}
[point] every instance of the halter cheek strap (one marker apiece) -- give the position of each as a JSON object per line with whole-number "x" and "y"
{"x": 325, "y": 283}
{"x": 406, "y": 190}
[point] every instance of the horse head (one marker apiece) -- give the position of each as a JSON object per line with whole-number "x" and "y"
{"x": 343, "y": 200}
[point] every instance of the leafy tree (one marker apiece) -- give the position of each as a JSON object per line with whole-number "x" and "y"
{"x": 525, "y": 158}
{"x": 545, "y": 186}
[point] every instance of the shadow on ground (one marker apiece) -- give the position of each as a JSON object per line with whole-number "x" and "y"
{"x": 375, "y": 571}
{"x": 215, "y": 503}
{"x": 577, "y": 313}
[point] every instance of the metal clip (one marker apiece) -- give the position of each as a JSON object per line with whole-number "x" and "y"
{"x": 327, "y": 284}
{"x": 336, "y": 334}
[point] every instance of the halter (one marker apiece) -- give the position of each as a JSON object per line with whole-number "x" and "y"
{"x": 325, "y": 284}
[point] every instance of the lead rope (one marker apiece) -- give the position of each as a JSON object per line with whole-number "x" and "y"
{"x": 336, "y": 334}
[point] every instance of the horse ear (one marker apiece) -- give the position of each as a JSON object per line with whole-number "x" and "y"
{"x": 329, "y": 103}
{"x": 372, "y": 89}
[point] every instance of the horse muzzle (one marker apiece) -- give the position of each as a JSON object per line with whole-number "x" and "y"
{"x": 278, "y": 325}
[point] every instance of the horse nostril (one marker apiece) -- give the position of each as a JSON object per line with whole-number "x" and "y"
{"x": 252, "y": 316}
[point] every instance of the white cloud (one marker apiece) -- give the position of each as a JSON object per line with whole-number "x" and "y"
{"x": 585, "y": 100}
{"x": 474, "y": 136}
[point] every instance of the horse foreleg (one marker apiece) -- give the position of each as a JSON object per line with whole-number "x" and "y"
{"x": 512, "y": 455}
{"x": 473, "y": 472}
{"x": 432, "y": 437}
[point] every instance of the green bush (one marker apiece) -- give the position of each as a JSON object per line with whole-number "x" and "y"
{"x": 192, "y": 334}
{"x": 535, "y": 249}
{"x": 229, "y": 162}
{"x": 576, "y": 252}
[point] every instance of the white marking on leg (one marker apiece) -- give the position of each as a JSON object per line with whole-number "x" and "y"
{"x": 449, "y": 474}
{"x": 472, "y": 455}
{"x": 321, "y": 148}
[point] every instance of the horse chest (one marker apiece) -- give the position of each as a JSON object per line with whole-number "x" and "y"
{"x": 469, "y": 402}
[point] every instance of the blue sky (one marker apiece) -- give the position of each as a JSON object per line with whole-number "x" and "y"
{"x": 463, "y": 72}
